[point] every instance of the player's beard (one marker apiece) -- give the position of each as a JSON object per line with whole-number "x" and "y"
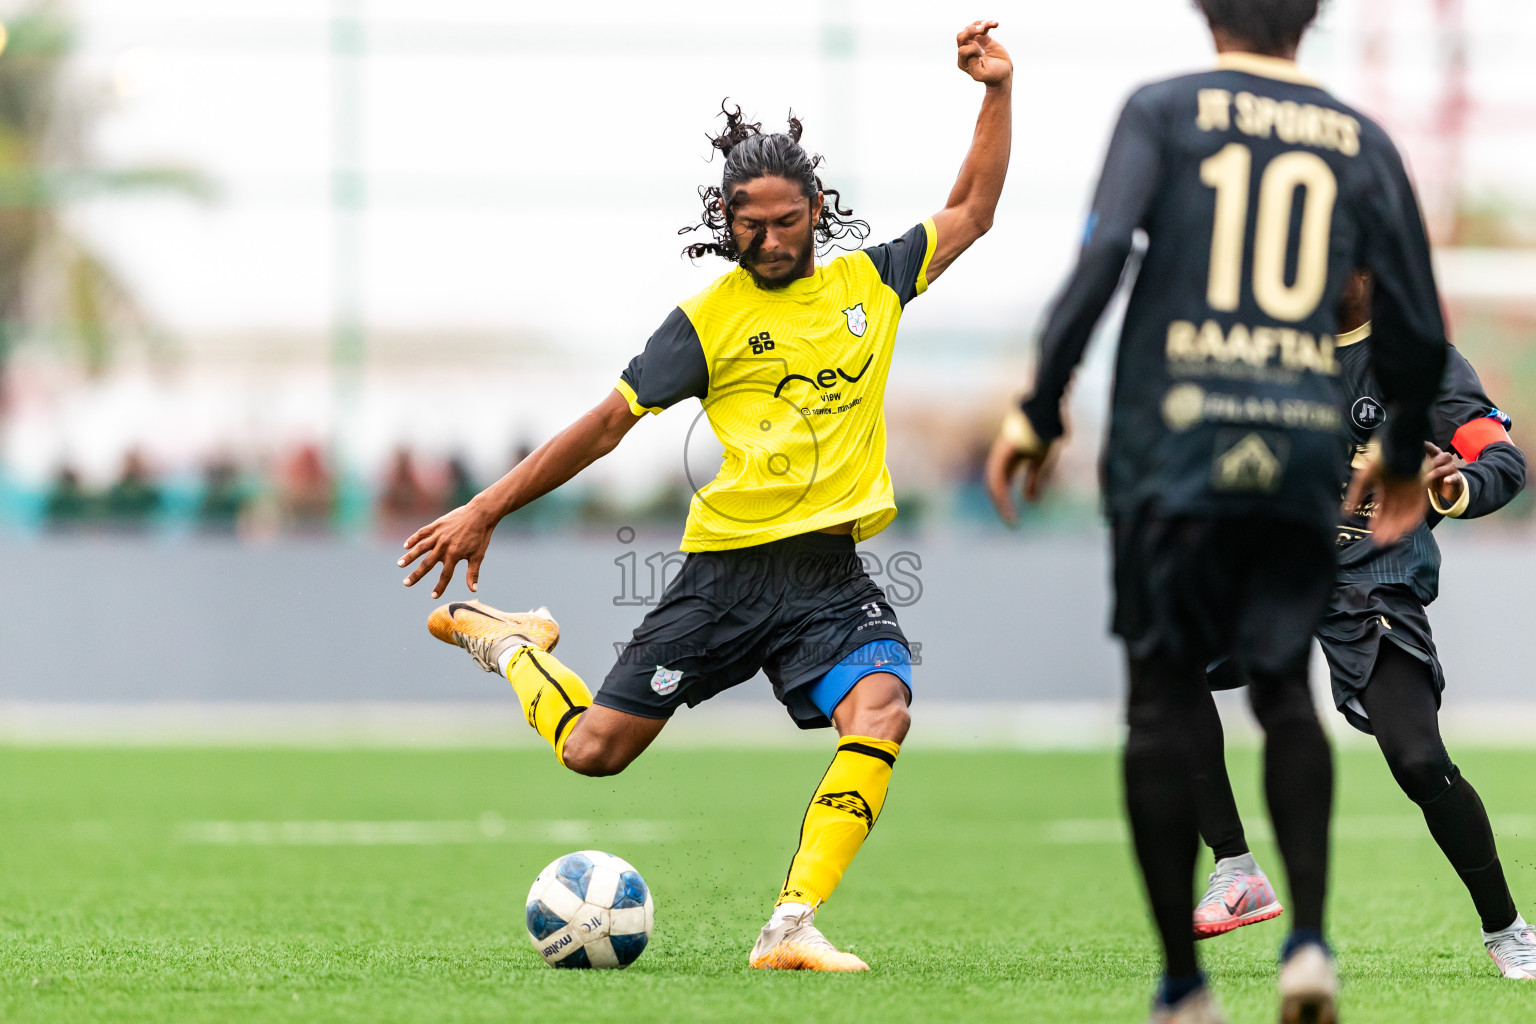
{"x": 799, "y": 268}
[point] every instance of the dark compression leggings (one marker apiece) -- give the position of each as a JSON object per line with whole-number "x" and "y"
{"x": 1161, "y": 757}
{"x": 1400, "y": 702}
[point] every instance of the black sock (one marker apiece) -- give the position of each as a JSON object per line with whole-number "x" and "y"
{"x": 1298, "y": 785}
{"x": 1163, "y": 829}
{"x": 1176, "y": 988}
{"x": 1220, "y": 825}
{"x": 1459, "y": 823}
{"x": 1301, "y": 937}
{"x": 1160, "y": 804}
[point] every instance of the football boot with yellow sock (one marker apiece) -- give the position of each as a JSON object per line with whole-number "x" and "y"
{"x": 516, "y": 646}
{"x": 790, "y": 941}
{"x": 843, "y": 809}
{"x": 487, "y": 632}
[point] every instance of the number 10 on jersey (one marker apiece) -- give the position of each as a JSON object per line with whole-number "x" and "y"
{"x": 1229, "y": 172}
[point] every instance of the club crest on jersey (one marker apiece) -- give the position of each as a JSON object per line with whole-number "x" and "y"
{"x": 665, "y": 680}
{"x": 858, "y": 323}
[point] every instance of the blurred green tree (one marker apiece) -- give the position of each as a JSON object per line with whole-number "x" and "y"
{"x": 53, "y": 286}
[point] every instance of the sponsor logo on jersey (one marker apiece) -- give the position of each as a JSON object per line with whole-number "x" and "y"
{"x": 665, "y": 680}
{"x": 1183, "y": 406}
{"x": 1367, "y": 413}
{"x": 1253, "y": 462}
{"x": 858, "y": 323}
{"x": 1187, "y": 405}
{"x": 825, "y": 378}
{"x": 849, "y": 803}
{"x": 1253, "y": 347}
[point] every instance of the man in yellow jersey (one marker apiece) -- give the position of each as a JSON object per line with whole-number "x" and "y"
{"x": 790, "y": 361}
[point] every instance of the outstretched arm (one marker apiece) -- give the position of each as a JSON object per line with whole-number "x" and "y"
{"x": 463, "y": 534}
{"x": 1131, "y": 175}
{"x": 972, "y": 202}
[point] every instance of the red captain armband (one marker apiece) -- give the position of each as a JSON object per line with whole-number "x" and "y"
{"x": 1471, "y": 438}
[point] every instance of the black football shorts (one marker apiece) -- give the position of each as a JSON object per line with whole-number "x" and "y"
{"x": 1199, "y": 588}
{"x": 793, "y": 608}
{"x": 1362, "y": 617}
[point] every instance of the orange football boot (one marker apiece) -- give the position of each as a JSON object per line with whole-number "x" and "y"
{"x": 486, "y": 632}
{"x": 791, "y": 942}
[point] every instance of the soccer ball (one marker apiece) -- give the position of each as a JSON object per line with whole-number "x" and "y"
{"x": 590, "y": 909}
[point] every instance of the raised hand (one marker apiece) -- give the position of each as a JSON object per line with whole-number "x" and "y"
{"x": 981, "y": 56}
{"x": 459, "y": 536}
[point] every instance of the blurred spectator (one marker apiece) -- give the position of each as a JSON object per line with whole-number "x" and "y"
{"x": 133, "y": 501}
{"x": 461, "y": 483}
{"x": 224, "y": 496}
{"x": 68, "y": 506}
{"x": 405, "y": 503}
{"x": 306, "y": 493}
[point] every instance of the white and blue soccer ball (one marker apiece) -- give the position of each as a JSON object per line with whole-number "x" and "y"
{"x": 590, "y": 909}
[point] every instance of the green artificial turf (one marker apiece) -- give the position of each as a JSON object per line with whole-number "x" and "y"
{"x": 968, "y": 900}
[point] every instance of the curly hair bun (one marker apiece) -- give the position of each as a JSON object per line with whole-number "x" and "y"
{"x": 752, "y": 153}
{"x": 737, "y": 130}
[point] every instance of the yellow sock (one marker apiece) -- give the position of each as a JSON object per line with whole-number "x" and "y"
{"x": 846, "y": 805}
{"x": 553, "y": 696}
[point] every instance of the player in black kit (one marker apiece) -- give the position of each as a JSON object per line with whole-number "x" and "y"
{"x": 1386, "y": 673}
{"x": 1258, "y": 193}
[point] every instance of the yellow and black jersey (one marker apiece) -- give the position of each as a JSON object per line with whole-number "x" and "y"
{"x": 793, "y": 383}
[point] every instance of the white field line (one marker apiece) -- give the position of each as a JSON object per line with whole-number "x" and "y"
{"x": 488, "y": 828}
{"x": 491, "y": 827}
{"x": 726, "y": 724}
{"x": 1348, "y": 828}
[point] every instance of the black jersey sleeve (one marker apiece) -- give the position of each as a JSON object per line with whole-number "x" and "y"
{"x": 1493, "y": 480}
{"x": 671, "y": 368}
{"x": 1127, "y": 184}
{"x": 1408, "y": 346}
{"x": 903, "y": 262}
{"x": 1465, "y": 420}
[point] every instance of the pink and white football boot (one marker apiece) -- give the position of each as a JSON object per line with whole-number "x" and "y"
{"x": 1239, "y": 894}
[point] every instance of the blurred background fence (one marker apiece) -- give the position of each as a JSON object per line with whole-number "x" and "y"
{"x": 310, "y": 273}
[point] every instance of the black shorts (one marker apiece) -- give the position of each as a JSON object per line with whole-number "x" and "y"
{"x": 1197, "y": 588}
{"x": 1361, "y": 617}
{"x": 792, "y": 608}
